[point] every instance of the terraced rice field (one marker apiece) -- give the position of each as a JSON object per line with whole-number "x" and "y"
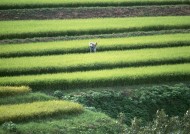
{"x": 68, "y": 64}
{"x": 43, "y": 28}
{"x": 37, "y": 109}
{"x": 67, "y": 47}
{"x": 73, "y": 56}
{"x": 11, "y": 91}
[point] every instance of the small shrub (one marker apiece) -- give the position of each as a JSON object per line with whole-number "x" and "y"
{"x": 10, "y": 126}
{"x": 121, "y": 118}
{"x": 58, "y": 94}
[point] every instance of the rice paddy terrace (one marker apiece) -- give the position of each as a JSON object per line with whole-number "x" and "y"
{"x": 38, "y": 57}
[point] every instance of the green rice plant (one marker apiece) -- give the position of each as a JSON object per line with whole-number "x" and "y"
{"x": 4, "y": 4}
{"x": 10, "y": 91}
{"x": 93, "y": 61}
{"x": 44, "y": 28}
{"x": 100, "y": 78}
{"x": 25, "y": 98}
{"x": 23, "y": 112}
{"x": 81, "y": 46}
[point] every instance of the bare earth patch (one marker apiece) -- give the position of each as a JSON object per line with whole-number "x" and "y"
{"x": 93, "y": 12}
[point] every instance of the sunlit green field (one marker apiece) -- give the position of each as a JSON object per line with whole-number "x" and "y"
{"x": 21, "y": 112}
{"x": 43, "y": 28}
{"x": 64, "y": 47}
{"x": 101, "y": 60}
{"x": 110, "y": 77}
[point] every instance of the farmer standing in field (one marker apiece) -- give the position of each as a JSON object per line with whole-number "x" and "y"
{"x": 92, "y": 46}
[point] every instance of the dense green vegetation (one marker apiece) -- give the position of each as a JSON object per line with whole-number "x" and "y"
{"x": 111, "y": 77}
{"x": 162, "y": 124}
{"x": 44, "y": 28}
{"x": 63, "y": 47}
{"x": 22, "y": 112}
{"x": 139, "y": 102}
{"x": 4, "y": 4}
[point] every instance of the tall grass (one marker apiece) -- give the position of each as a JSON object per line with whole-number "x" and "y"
{"x": 23, "y": 112}
{"x": 93, "y": 61}
{"x": 44, "y": 28}
{"x": 81, "y": 46}
{"x": 11, "y": 91}
{"x": 111, "y": 77}
{"x": 4, "y": 4}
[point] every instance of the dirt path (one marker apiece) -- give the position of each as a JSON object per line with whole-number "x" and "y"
{"x": 70, "y": 13}
{"x": 59, "y": 38}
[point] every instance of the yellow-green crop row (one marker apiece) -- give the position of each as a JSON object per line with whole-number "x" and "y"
{"x": 81, "y": 46}
{"x": 44, "y": 28}
{"x": 111, "y": 77}
{"x": 93, "y": 61}
{"x": 7, "y": 4}
{"x": 22, "y": 112}
{"x": 26, "y": 98}
{"x": 9, "y": 91}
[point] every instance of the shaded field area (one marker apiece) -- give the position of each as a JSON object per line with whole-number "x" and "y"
{"x": 141, "y": 101}
{"x": 93, "y": 12}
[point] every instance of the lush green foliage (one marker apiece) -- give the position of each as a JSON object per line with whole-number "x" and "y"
{"x": 101, "y": 60}
{"x": 10, "y": 91}
{"x": 111, "y": 77}
{"x": 9, "y": 126}
{"x": 162, "y": 124}
{"x": 26, "y": 111}
{"x": 58, "y": 94}
{"x": 141, "y": 102}
{"x": 25, "y": 98}
{"x": 42, "y": 28}
{"x": 63, "y": 47}
{"x": 4, "y": 4}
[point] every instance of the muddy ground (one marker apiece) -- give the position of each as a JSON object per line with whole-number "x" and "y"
{"x": 93, "y": 12}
